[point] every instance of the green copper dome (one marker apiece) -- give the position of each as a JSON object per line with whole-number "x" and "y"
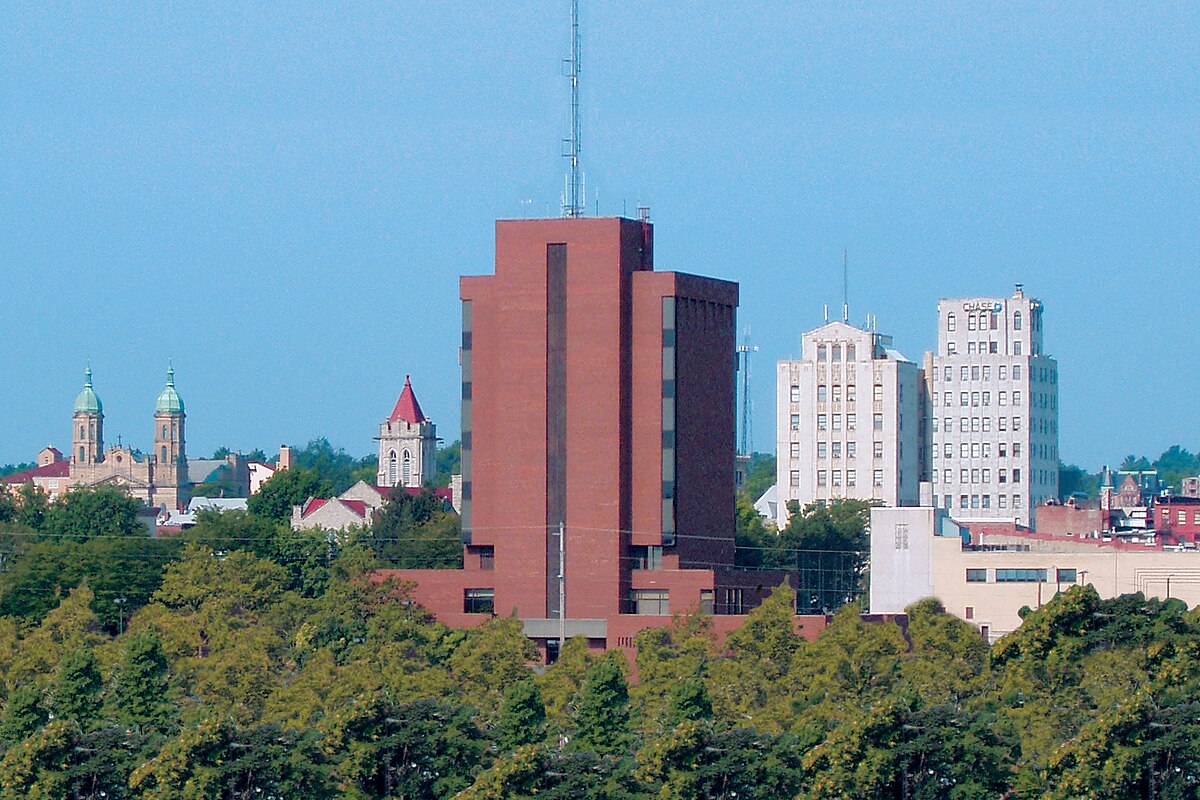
{"x": 169, "y": 402}
{"x": 88, "y": 402}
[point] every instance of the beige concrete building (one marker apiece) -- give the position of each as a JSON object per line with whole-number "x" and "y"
{"x": 993, "y": 409}
{"x": 848, "y": 421}
{"x": 923, "y": 552}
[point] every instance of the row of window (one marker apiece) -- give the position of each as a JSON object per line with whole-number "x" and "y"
{"x": 980, "y": 450}
{"x": 977, "y": 475}
{"x": 977, "y": 501}
{"x": 824, "y": 393}
{"x": 984, "y": 425}
{"x": 976, "y": 399}
{"x": 1181, "y": 517}
{"x": 851, "y": 421}
{"x": 824, "y": 352}
{"x": 980, "y": 575}
{"x": 835, "y": 477}
{"x": 986, "y": 348}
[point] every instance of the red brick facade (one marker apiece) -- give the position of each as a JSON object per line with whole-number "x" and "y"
{"x": 598, "y": 394}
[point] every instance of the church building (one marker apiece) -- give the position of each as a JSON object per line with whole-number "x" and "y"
{"x": 407, "y": 444}
{"x": 159, "y": 478}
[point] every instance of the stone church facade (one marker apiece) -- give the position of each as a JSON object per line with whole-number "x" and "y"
{"x": 407, "y": 444}
{"x": 158, "y": 478}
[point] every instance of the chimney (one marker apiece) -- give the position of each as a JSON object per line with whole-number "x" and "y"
{"x": 285, "y": 457}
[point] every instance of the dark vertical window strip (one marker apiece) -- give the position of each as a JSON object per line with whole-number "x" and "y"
{"x": 465, "y": 420}
{"x": 556, "y": 413}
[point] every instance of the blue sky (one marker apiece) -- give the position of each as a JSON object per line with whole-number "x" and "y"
{"x": 282, "y": 197}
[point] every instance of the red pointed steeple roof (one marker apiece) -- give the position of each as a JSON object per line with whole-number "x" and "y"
{"x": 407, "y": 408}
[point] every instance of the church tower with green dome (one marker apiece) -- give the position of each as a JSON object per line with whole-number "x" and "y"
{"x": 88, "y": 427}
{"x": 170, "y": 454}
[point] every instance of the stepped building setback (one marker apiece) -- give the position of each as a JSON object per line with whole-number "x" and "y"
{"x": 597, "y": 400}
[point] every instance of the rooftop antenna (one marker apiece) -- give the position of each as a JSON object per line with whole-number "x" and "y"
{"x": 845, "y": 286}
{"x": 574, "y": 198}
{"x": 746, "y": 440}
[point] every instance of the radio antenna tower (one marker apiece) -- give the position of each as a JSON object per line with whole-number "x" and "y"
{"x": 574, "y": 198}
{"x": 746, "y": 440}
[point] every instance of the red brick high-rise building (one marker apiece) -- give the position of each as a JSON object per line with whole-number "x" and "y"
{"x": 599, "y": 398}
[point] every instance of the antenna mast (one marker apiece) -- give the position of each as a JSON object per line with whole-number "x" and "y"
{"x": 574, "y": 200}
{"x": 845, "y": 286}
{"x": 746, "y": 440}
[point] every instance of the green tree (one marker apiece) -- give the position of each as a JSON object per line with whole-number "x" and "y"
{"x": 425, "y": 749}
{"x": 760, "y": 474}
{"x": 139, "y": 695}
{"x": 225, "y": 531}
{"x": 82, "y": 514}
{"x": 751, "y": 539}
{"x": 828, "y": 546}
{"x": 492, "y": 658}
{"x": 75, "y": 694}
{"x": 449, "y": 462}
{"x": 32, "y": 504}
{"x": 24, "y": 712}
{"x": 522, "y": 718}
{"x": 8, "y": 507}
{"x": 287, "y": 488}
{"x": 602, "y": 708}
{"x": 415, "y": 532}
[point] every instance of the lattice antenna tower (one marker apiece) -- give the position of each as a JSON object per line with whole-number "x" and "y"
{"x": 574, "y": 201}
{"x": 746, "y": 439}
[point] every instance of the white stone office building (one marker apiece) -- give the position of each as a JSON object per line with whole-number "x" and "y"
{"x": 848, "y": 421}
{"x": 993, "y": 409}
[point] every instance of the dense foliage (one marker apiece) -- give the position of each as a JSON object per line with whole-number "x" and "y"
{"x": 246, "y": 660}
{"x": 229, "y": 683}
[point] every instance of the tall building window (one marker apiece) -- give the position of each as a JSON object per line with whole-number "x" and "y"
{"x": 164, "y": 455}
{"x": 822, "y": 477}
{"x": 795, "y": 450}
{"x": 837, "y": 393}
{"x": 1016, "y": 320}
{"x": 964, "y": 373}
{"x": 794, "y": 477}
{"x": 837, "y": 449}
{"x": 975, "y": 373}
{"x": 822, "y": 393}
{"x": 795, "y": 422}
{"x": 948, "y": 373}
{"x": 951, "y": 322}
{"x": 406, "y": 467}
{"x": 851, "y": 449}
{"x": 877, "y": 449}
{"x": 1016, "y": 372}
{"x": 837, "y": 352}
{"x": 822, "y": 353}
{"x": 851, "y": 353}
{"x": 821, "y": 449}
{"x": 393, "y": 468}
{"x": 964, "y": 398}
{"x": 822, "y": 422}
{"x": 851, "y": 477}
{"x": 970, "y": 322}
{"x": 1017, "y": 347}
{"x": 837, "y": 422}
{"x": 877, "y": 393}
{"x": 837, "y": 477}
{"x": 851, "y": 394}
{"x": 877, "y": 422}
{"x": 851, "y": 421}
{"x": 877, "y": 477}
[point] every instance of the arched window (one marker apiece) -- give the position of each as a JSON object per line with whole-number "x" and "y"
{"x": 392, "y": 468}
{"x": 1016, "y": 320}
{"x": 950, "y": 321}
{"x": 407, "y": 467}
{"x": 81, "y": 454}
{"x": 164, "y": 432}
{"x": 164, "y": 453}
{"x": 82, "y": 432}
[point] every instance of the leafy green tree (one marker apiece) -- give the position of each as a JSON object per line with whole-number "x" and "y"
{"x": 218, "y": 760}
{"x": 415, "y": 532}
{"x": 24, "y": 712}
{"x": 522, "y": 718}
{"x": 751, "y": 539}
{"x": 225, "y": 531}
{"x": 334, "y": 465}
{"x": 602, "y": 708}
{"x": 492, "y": 658}
{"x": 425, "y": 749}
{"x": 75, "y": 694}
{"x": 8, "y": 507}
{"x": 287, "y": 488}
{"x": 35, "y": 767}
{"x": 828, "y": 545}
{"x": 449, "y": 462}
{"x": 82, "y": 514}
{"x": 760, "y": 474}
{"x": 1074, "y": 480}
{"x": 139, "y": 695}
{"x": 32, "y": 504}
